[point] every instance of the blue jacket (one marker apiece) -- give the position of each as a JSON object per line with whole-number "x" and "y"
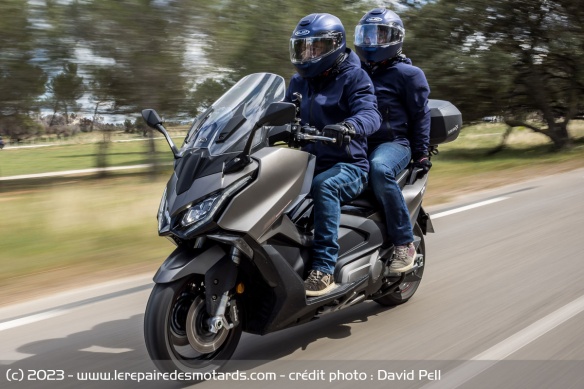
{"x": 402, "y": 96}
{"x": 346, "y": 94}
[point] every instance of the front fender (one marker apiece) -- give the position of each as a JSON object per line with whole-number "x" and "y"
{"x": 181, "y": 263}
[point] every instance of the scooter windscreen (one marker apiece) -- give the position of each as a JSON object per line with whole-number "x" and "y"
{"x": 225, "y": 126}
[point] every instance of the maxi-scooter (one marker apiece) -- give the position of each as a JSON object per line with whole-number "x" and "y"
{"x": 239, "y": 212}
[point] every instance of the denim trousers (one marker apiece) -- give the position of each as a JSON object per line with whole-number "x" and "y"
{"x": 386, "y": 161}
{"x": 343, "y": 182}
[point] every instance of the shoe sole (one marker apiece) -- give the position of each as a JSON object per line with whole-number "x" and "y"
{"x": 402, "y": 269}
{"x": 316, "y": 293}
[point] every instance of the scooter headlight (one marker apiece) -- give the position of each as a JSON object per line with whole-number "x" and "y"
{"x": 200, "y": 210}
{"x": 204, "y": 211}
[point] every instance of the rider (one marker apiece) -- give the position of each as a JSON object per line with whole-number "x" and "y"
{"x": 338, "y": 98}
{"x": 402, "y": 95}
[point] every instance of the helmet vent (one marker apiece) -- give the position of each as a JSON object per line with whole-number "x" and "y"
{"x": 377, "y": 11}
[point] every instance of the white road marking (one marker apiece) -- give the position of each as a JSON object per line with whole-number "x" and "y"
{"x": 106, "y": 350}
{"x": 70, "y": 300}
{"x": 502, "y": 350}
{"x": 467, "y": 207}
{"x": 31, "y": 319}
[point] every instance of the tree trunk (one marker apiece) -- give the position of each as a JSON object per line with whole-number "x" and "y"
{"x": 101, "y": 157}
{"x": 503, "y": 142}
{"x": 94, "y": 116}
{"x": 558, "y": 133}
{"x": 55, "y": 108}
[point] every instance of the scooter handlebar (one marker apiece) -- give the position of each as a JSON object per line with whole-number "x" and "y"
{"x": 307, "y": 137}
{"x": 309, "y": 134}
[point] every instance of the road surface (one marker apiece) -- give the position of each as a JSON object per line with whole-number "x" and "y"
{"x": 501, "y": 305}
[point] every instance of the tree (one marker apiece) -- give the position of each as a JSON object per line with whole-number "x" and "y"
{"x": 512, "y": 58}
{"x": 143, "y": 49}
{"x": 21, "y": 81}
{"x": 140, "y": 47}
{"x": 102, "y": 90}
{"x": 66, "y": 88}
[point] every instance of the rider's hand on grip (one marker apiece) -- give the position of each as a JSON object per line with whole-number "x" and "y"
{"x": 423, "y": 163}
{"x": 342, "y": 133}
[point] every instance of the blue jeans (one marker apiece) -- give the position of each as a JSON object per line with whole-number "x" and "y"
{"x": 342, "y": 182}
{"x": 386, "y": 161}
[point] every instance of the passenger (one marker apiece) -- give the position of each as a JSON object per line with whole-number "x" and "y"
{"x": 402, "y": 97}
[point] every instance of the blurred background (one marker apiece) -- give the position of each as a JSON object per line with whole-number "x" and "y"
{"x": 75, "y": 75}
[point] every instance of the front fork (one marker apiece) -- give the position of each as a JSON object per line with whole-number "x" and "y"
{"x": 219, "y": 282}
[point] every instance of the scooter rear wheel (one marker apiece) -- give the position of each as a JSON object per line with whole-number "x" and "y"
{"x": 407, "y": 288}
{"x": 175, "y": 329}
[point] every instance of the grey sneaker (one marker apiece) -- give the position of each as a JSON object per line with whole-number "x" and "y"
{"x": 403, "y": 258}
{"x": 319, "y": 283}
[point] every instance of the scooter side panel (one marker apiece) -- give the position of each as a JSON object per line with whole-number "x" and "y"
{"x": 280, "y": 180}
{"x": 359, "y": 238}
{"x": 413, "y": 195}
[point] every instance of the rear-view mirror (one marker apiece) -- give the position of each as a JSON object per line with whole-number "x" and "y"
{"x": 278, "y": 114}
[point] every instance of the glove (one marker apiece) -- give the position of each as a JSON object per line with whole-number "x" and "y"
{"x": 342, "y": 132}
{"x": 423, "y": 163}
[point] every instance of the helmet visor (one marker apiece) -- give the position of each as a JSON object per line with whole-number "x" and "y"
{"x": 378, "y": 35}
{"x": 303, "y": 50}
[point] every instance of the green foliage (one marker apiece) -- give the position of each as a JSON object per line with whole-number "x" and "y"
{"x": 66, "y": 88}
{"x": 21, "y": 81}
{"x": 500, "y": 57}
{"x": 207, "y": 92}
{"x": 142, "y": 47}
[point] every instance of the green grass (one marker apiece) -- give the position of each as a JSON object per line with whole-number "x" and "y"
{"x": 467, "y": 164}
{"x": 56, "y": 225}
{"x": 92, "y": 223}
{"x": 74, "y": 156}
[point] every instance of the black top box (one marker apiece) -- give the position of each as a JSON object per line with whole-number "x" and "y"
{"x": 446, "y": 122}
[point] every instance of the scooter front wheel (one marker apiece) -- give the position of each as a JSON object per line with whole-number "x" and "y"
{"x": 407, "y": 288}
{"x": 176, "y": 332}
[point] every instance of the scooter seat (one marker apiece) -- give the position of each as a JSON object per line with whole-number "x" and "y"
{"x": 367, "y": 198}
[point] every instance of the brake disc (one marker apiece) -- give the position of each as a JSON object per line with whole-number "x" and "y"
{"x": 200, "y": 338}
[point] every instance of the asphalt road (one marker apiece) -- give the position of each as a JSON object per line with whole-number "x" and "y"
{"x": 501, "y": 305}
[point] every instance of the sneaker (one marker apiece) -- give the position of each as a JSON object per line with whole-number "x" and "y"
{"x": 403, "y": 258}
{"x": 318, "y": 283}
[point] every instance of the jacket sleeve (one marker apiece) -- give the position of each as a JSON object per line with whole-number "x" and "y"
{"x": 417, "y": 91}
{"x": 364, "y": 115}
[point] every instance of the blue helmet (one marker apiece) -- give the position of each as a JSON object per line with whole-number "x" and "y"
{"x": 379, "y": 36}
{"x": 316, "y": 43}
